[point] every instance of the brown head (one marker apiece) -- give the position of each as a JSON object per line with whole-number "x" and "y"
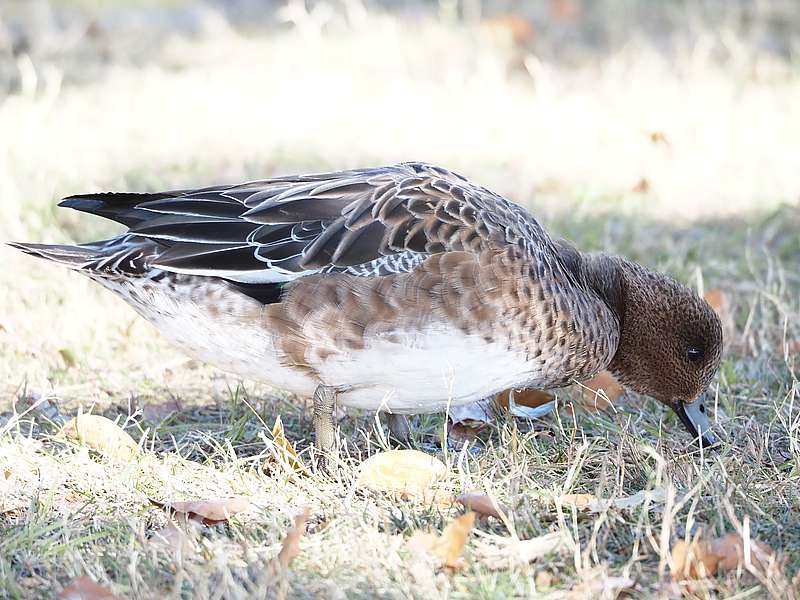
{"x": 670, "y": 338}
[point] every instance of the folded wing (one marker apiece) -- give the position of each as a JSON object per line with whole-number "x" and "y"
{"x": 365, "y": 222}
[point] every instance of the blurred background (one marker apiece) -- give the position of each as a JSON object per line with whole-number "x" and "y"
{"x": 664, "y": 130}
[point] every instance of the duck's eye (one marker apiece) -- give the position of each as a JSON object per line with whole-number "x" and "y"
{"x": 694, "y": 353}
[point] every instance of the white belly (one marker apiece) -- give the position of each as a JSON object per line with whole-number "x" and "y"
{"x": 401, "y": 372}
{"x": 424, "y": 371}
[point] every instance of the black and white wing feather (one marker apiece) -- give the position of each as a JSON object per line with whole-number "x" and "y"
{"x": 365, "y": 222}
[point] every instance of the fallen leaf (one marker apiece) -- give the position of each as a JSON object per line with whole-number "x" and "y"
{"x": 68, "y": 356}
{"x": 290, "y": 548}
{"x": 208, "y": 512}
{"x": 404, "y": 471}
{"x": 467, "y": 420}
{"x": 85, "y": 588}
{"x": 101, "y": 434}
{"x": 283, "y": 452}
{"x": 599, "y": 392}
{"x": 642, "y": 186}
{"x": 448, "y": 547}
{"x": 507, "y": 29}
{"x": 482, "y": 504}
{"x": 579, "y": 501}
{"x": 701, "y": 558}
{"x": 460, "y": 434}
{"x": 658, "y": 137}
{"x": 543, "y": 579}
{"x": 718, "y": 300}
{"x": 505, "y": 552}
{"x": 8, "y": 480}
{"x": 692, "y": 560}
{"x": 731, "y": 551}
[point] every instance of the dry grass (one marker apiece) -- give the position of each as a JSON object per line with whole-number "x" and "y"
{"x": 570, "y": 143}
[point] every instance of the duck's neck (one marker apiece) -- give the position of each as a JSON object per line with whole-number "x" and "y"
{"x": 606, "y": 276}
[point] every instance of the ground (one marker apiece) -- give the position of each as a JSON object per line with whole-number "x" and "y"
{"x": 683, "y": 160}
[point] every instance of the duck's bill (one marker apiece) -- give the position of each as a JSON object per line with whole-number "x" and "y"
{"x": 694, "y": 417}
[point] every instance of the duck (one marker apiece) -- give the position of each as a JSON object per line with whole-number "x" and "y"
{"x": 404, "y": 289}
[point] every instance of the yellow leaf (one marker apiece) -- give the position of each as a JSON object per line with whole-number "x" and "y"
{"x": 283, "y": 452}
{"x": 404, "y": 471}
{"x": 102, "y": 435}
{"x": 580, "y": 501}
{"x": 692, "y": 560}
{"x": 448, "y": 547}
{"x": 600, "y": 391}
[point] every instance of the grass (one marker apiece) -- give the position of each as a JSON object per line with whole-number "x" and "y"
{"x": 719, "y": 210}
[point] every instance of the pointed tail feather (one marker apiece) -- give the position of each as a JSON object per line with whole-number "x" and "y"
{"x": 121, "y": 207}
{"x": 74, "y": 257}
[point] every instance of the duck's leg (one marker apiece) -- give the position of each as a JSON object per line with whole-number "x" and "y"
{"x": 399, "y": 428}
{"x": 324, "y": 429}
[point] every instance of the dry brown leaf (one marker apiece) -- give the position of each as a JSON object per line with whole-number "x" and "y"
{"x": 731, "y": 551}
{"x": 208, "y": 512}
{"x": 599, "y": 392}
{"x": 472, "y": 417}
{"x": 283, "y": 452}
{"x": 544, "y": 579}
{"x": 102, "y": 435}
{"x": 504, "y": 29}
{"x": 658, "y": 137}
{"x": 448, "y": 547}
{"x": 8, "y": 480}
{"x": 701, "y": 558}
{"x": 718, "y": 300}
{"x": 579, "y": 501}
{"x": 85, "y": 588}
{"x": 692, "y": 560}
{"x": 642, "y": 186}
{"x": 461, "y": 434}
{"x": 482, "y": 504}
{"x": 290, "y": 548}
{"x": 565, "y": 10}
{"x": 404, "y": 471}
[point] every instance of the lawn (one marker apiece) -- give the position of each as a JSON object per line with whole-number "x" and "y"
{"x": 685, "y": 159}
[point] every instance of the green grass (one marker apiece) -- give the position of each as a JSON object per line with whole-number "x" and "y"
{"x": 721, "y": 212}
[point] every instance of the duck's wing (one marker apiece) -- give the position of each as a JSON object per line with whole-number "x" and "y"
{"x": 365, "y": 222}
